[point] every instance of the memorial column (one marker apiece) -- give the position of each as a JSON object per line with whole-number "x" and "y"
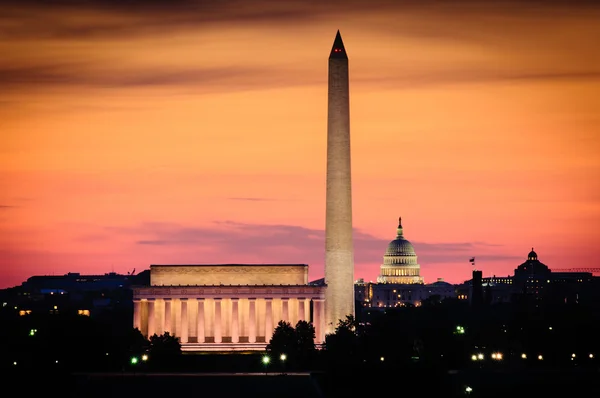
{"x": 218, "y": 333}
{"x": 200, "y": 320}
{"x": 252, "y": 320}
{"x": 167, "y": 327}
{"x": 301, "y": 311}
{"x": 184, "y": 321}
{"x": 151, "y": 317}
{"x": 235, "y": 326}
{"x": 268, "y": 319}
{"x": 318, "y": 320}
{"x": 285, "y": 311}
{"x": 137, "y": 314}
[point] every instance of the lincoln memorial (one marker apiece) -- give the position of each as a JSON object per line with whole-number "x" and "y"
{"x": 227, "y": 307}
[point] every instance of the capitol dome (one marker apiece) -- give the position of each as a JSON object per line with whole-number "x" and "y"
{"x": 400, "y": 261}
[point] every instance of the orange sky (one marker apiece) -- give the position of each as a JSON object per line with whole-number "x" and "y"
{"x": 145, "y": 133}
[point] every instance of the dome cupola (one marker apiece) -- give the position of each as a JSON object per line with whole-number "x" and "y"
{"x": 400, "y": 261}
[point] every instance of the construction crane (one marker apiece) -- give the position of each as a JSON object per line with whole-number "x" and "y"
{"x": 589, "y": 270}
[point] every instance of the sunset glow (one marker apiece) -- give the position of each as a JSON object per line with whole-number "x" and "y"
{"x": 151, "y": 133}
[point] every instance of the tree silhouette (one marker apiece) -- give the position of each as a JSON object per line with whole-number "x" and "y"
{"x": 284, "y": 340}
{"x": 342, "y": 345}
{"x": 164, "y": 350}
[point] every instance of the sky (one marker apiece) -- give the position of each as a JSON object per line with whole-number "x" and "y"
{"x": 167, "y": 132}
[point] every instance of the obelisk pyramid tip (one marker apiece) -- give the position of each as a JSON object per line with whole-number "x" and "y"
{"x": 338, "y": 50}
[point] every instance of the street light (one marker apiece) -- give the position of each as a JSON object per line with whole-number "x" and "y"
{"x": 134, "y": 360}
{"x": 382, "y": 359}
{"x": 283, "y": 357}
{"x": 524, "y": 356}
{"x": 144, "y": 357}
{"x": 468, "y": 390}
{"x": 265, "y": 361}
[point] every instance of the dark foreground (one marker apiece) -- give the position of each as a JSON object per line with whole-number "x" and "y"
{"x": 578, "y": 383}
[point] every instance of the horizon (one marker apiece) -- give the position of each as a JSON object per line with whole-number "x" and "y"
{"x": 177, "y": 133}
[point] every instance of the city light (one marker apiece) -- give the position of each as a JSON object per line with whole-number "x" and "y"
{"x": 32, "y": 332}
{"x": 540, "y": 357}
{"x": 497, "y": 356}
{"x": 134, "y": 360}
{"x": 144, "y": 357}
{"x": 468, "y": 390}
{"x": 459, "y": 330}
{"x": 524, "y": 356}
{"x": 473, "y": 357}
{"x": 591, "y": 356}
{"x": 572, "y": 355}
{"x": 480, "y": 356}
{"x": 266, "y": 360}
{"x": 382, "y": 359}
{"x": 15, "y": 363}
{"x": 283, "y": 357}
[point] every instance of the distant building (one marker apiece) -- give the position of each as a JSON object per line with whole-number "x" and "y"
{"x": 72, "y": 293}
{"x": 400, "y": 264}
{"x": 390, "y": 295}
{"x": 535, "y": 280}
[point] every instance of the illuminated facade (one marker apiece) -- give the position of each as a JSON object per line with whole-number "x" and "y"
{"x": 400, "y": 264}
{"x": 389, "y": 295}
{"x": 228, "y": 307}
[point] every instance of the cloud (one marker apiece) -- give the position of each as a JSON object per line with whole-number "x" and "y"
{"x": 292, "y": 243}
{"x": 91, "y": 19}
{"x": 84, "y": 74}
{"x": 7, "y": 207}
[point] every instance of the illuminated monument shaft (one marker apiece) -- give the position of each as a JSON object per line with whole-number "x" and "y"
{"x": 339, "y": 251}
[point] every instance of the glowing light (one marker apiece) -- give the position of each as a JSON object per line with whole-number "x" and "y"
{"x": 497, "y": 356}
{"x": 591, "y": 356}
{"x": 540, "y": 357}
{"x": 468, "y": 389}
{"x": 382, "y": 359}
{"x": 266, "y": 360}
{"x": 15, "y": 363}
{"x": 550, "y": 328}
{"x": 134, "y": 360}
{"x": 55, "y": 361}
{"x": 524, "y": 356}
{"x": 572, "y": 355}
{"x": 480, "y": 356}
{"x": 473, "y": 357}
{"x": 283, "y": 357}
{"x": 144, "y": 357}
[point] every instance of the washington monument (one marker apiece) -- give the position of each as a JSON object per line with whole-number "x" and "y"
{"x": 339, "y": 247}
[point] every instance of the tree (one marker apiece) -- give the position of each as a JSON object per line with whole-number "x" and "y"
{"x": 164, "y": 349}
{"x": 305, "y": 332}
{"x": 342, "y": 345}
{"x": 305, "y": 342}
{"x": 284, "y": 340}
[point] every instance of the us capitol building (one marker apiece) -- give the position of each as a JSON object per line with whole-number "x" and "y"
{"x": 400, "y": 261}
{"x": 399, "y": 283}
